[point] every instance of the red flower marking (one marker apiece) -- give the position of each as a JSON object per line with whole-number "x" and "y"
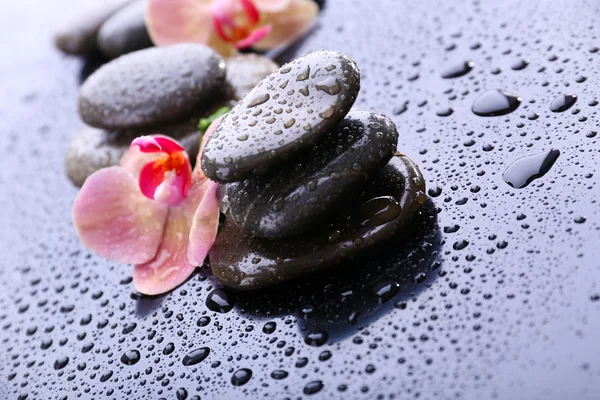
{"x": 235, "y": 21}
{"x": 167, "y": 179}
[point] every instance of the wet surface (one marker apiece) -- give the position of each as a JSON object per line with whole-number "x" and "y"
{"x": 497, "y": 294}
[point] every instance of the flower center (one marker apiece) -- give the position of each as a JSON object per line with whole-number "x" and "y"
{"x": 168, "y": 178}
{"x": 235, "y": 21}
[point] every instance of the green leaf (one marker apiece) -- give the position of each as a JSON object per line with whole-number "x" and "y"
{"x": 205, "y": 122}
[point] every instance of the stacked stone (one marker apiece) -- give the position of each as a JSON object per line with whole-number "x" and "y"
{"x": 305, "y": 182}
{"x": 162, "y": 90}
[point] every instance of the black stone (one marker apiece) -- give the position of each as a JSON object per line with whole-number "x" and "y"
{"x": 78, "y": 30}
{"x": 302, "y": 193}
{"x": 152, "y": 86}
{"x": 125, "y": 31}
{"x": 387, "y": 206}
{"x": 287, "y": 112}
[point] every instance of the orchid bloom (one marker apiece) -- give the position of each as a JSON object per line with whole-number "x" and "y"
{"x": 152, "y": 211}
{"x": 228, "y": 25}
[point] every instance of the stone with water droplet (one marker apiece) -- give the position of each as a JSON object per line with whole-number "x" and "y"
{"x": 495, "y": 103}
{"x": 146, "y": 87}
{"x": 303, "y": 192}
{"x": 280, "y": 260}
{"x": 245, "y": 71}
{"x": 92, "y": 148}
{"x": 284, "y": 114}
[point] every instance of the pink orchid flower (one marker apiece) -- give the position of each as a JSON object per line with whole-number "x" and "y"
{"x": 228, "y": 25}
{"x": 152, "y": 211}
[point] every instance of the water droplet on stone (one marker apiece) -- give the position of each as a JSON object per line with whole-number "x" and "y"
{"x": 260, "y": 98}
{"x": 379, "y": 210}
{"x": 316, "y": 338}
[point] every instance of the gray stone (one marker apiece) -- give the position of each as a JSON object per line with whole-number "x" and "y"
{"x": 286, "y": 113}
{"x": 77, "y": 33}
{"x": 94, "y": 148}
{"x": 125, "y": 31}
{"x": 245, "y": 71}
{"x": 152, "y": 86}
{"x": 388, "y": 206}
{"x": 304, "y": 192}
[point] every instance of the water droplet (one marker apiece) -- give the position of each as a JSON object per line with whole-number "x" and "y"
{"x": 61, "y": 362}
{"x": 219, "y": 300}
{"x": 385, "y": 291}
{"x": 328, "y": 113}
{"x": 269, "y": 327}
{"x": 563, "y": 102}
{"x": 379, "y": 210}
{"x": 525, "y": 170}
{"x": 495, "y": 103}
{"x": 259, "y": 99}
{"x": 313, "y": 387}
{"x": 459, "y": 70}
{"x": 520, "y": 64}
{"x": 195, "y": 356}
{"x": 304, "y": 75}
{"x": 289, "y": 124}
{"x": 279, "y": 374}
{"x": 130, "y": 357}
{"x": 106, "y": 376}
{"x": 316, "y": 338}
{"x": 307, "y": 312}
{"x": 129, "y": 328}
{"x": 330, "y": 86}
{"x": 241, "y": 376}
{"x": 181, "y": 394}
{"x": 169, "y": 348}
{"x": 445, "y": 112}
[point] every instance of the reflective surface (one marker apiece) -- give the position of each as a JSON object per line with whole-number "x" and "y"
{"x": 497, "y": 294}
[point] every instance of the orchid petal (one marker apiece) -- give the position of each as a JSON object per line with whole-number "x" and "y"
{"x": 153, "y": 144}
{"x": 151, "y": 177}
{"x": 254, "y": 37}
{"x": 179, "y": 21}
{"x": 166, "y": 185}
{"x": 204, "y": 226}
{"x": 170, "y": 268}
{"x": 133, "y": 160}
{"x": 115, "y": 220}
{"x": 271, "y": 6}
{"x": 288, "y": 24}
